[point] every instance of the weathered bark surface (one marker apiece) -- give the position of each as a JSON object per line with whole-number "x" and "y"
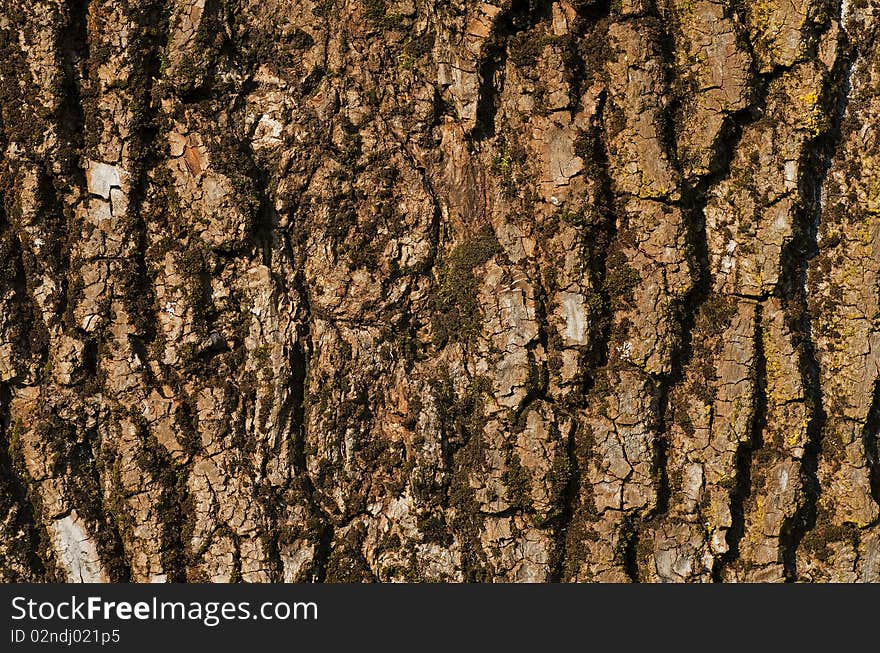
{"x": 358, "y": 290}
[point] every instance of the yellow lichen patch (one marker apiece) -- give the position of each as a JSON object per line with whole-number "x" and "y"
{"x": 796, "y": 436}
{"x": 810, "y": 99}
{"x": 813, "y": 118}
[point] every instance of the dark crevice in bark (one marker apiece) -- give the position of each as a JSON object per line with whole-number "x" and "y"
{"x": 55, "y": 252}
{"x": 586, "y": 44}
{"x": 137, "y": 292}
{"x": 567, "y": 500}
{"x": 595, "y": 254}
{"x": 271, "y": 535}
{"x": 73, "y": 46}
{"x": 175, "y": 547}
{"x": 660, "y": 464}
{"x": 430, "y": 191}
{"x": 693, "y": 204}
{"x": 172, "y": 504}
{"x": 518, "y": 17}
{"x": 871, "y": 438}
{"x": 672, "y": 102}
{"x": 742, "y": 488}
{"x": 14, "y": 490}
{"x": 804, "y": 519}
{"x": 593, "y": 10}
{"x": 83, "y": 470}
{"x": 235, "y": 572}
{"x": 300, "y": 362}
{"x": 815, "y": 164}
{"x": 595, "y": 246}
{"x": 264, "y": 222}
{"x": 290, "y": 423}
{"x": 538, "y": 385}
{"x": 323, "y": 548}
{"x": 629, "y": 546}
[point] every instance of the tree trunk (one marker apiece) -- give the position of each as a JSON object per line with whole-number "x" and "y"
{"x": 382, "y": 290}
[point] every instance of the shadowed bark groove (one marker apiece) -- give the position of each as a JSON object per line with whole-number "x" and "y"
{"x": 817, "y": 162}
{"x": 742, "y": 481}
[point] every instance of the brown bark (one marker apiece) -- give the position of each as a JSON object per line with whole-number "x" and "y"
{"x": 454, "y": 291}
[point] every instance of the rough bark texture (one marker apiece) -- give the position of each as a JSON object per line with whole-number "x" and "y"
{"x": 382, "y": 290}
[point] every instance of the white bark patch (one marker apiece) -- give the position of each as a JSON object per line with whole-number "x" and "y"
{"x": 790, "y": 173}
{"x": 76, "y": 551}
{"x": 576, "y": 324}
{"x": 101, "y": 177}
{"x": 268, "y": 132}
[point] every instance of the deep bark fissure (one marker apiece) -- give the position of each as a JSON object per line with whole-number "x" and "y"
{"x": 16, "y": 490}
{"x": 871, "y": 438}
{"x": 597, "y": 355}
{"x": 519, "y": 16}
{"x": 742, "y": 484}
{"x": 817, "y": 162}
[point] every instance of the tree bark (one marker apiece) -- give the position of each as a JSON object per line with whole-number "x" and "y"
{"x": 439, "y": 290}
